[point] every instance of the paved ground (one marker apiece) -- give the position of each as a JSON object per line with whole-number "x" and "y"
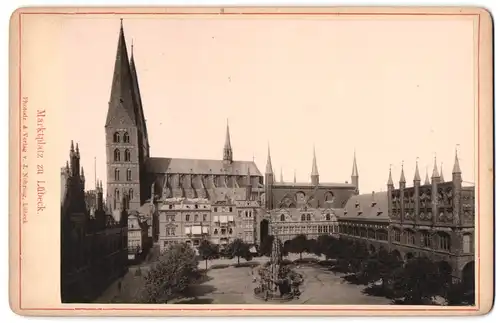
{"x": 227, "y": 284}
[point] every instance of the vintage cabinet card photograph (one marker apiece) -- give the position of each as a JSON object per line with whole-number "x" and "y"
{"x": 251, "y": 161}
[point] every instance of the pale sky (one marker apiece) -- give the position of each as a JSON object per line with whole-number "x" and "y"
{"x": 392, "y": 89}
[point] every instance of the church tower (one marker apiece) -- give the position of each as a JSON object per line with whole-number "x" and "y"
{"x": 227, "y": 154}
{"x": 127, "y": 146}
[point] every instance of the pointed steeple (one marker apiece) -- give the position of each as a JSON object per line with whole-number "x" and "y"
{"x": 314, "y": 171}
{"x": 228, "y": 151}
{"x": 441, "y": 177}
{"x": 82, "y": 173}
{"x": 435, "y": 173}
{"x": 294, "y": 176}
{"x": 389, "y": 181}
{"x": 77, "y": 151}
{"x": 72, "y": 148}
{"x": 67, "y": 167}
{"x": 269, "y": 166}
{"x": 427, "y": 182}
{"x": 121, "y": 101}
{"x": 456, "y": 166}
{"x": 417, "y": 173}
{"x": 137, "y": 94}
{"x": 281, "y": 175}
{"x": 402, "y": 179}
{"x": 354, "y": 167}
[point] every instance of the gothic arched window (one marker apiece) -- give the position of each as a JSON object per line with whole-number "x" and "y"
{"x": 126, "y": 137}
{"x": 303, "y": 217}
{"x": 116, "y": 137}
{"x": 117, "y": 155}
{"x": 129, "y": 175}
{"x": 130, "y": 194}
{"x": 282, "y": 218}
{"x": 308, "y": 217}
{"x": 328, "y": 217}
{"x": 117, "y": 174}
{"x": 127, "y": 155}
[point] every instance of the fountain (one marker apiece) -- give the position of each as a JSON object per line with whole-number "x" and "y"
{"x": 277, "y": 282}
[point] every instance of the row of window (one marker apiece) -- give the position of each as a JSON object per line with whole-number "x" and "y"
{"x": 117, "y": 175}
{"x": 117, "y": 137}
{"x": 223, "y": 231}
{"x": 215, "y": 209}
{"x": 117, "y": 155}
{"x": 304, "y": 217}
{"x": 441, "y": 242}
{"x": 380, "y": 234}
{"x": 306, "y": 229}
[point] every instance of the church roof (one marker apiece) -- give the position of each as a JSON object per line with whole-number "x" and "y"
{"x": 308, "y": 184}
{"x": 159, "y": 165}
{"x": 371, "y": 207}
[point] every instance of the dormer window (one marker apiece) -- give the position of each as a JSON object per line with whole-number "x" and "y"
{"x": 379, "y": 212}
{"x": 345, "y": 212}
{"x": 360, "y": 212}
{"x": 357, "y": 204}
{"x": 374, "y": 203}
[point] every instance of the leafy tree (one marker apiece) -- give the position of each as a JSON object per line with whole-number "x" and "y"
{"x": 314, "y": 247}
{"x": 417, "y": 281}
{"x": 299, "y": 244}
{"x": 266, "y": 246}
{"x": 176, "y": 269}
{"x": 238, "y": 248}
{"x": 207, "y": 251}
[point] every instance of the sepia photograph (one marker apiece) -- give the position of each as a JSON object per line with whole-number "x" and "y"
{"x": 264, "y": 159}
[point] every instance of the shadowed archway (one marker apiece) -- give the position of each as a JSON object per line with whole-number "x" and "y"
{"x": 264, "y": 229}
{"x": 468, "y": 275}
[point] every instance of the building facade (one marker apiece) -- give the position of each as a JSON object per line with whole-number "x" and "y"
{"x": 225, "y": 199}
{"x": 93, "y": 244}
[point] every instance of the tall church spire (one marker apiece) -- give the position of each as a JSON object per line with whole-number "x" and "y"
{"x": 121, "y": 105}
{"x": 269, "y": 166}
{"x": 228, "y": 151}
{"x": 139, "y": 111}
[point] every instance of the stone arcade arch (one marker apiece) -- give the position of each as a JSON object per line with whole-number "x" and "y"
{"x": 468, "y": 275}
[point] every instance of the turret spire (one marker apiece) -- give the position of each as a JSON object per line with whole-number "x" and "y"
{"x": 441, "y": 177}
{"x": 281, "y": 175}
{"x": 427, "y": 182}
{"x": 456, "y": 166}
{"x": 417, "y": 172}
{"x": 314, "y": 171}
{"x": 354, "y": 166}
{"x": 389, "y": 181}
{"x": 228, "y": 151}
{"x": 435, "y": 173}
{"x": 269, "y": 166}
{"x": 402, "y": 179}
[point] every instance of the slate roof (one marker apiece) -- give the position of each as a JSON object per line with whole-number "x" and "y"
{"x": 159, "y": 165}
{"x": 367, "y": 207}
